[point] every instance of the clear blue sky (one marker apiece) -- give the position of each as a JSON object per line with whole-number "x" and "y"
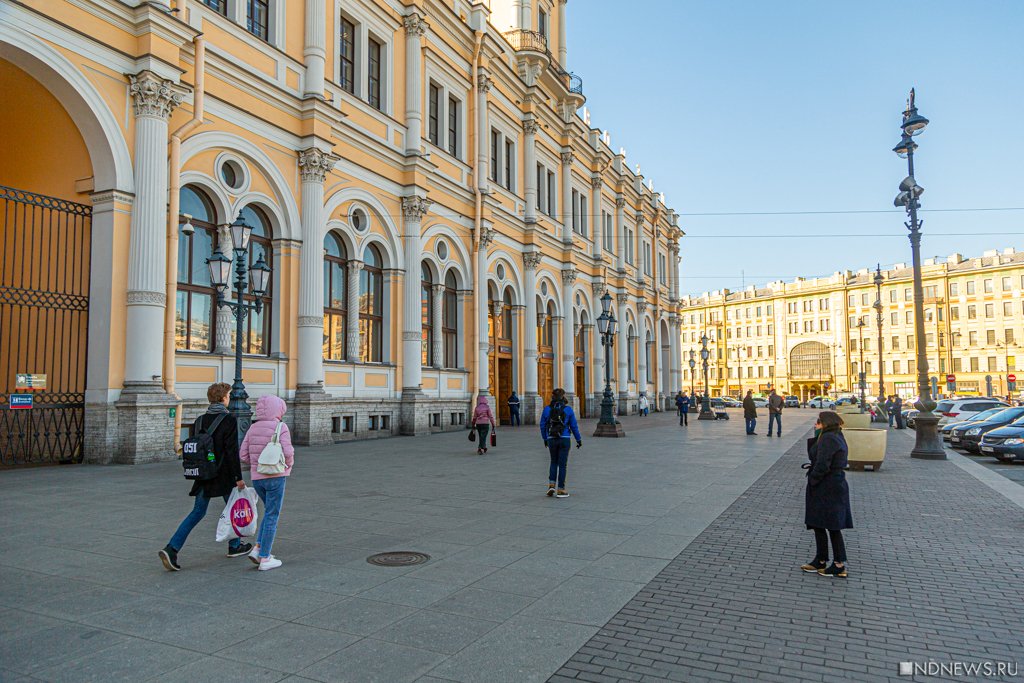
{"x": 792, "y": 105}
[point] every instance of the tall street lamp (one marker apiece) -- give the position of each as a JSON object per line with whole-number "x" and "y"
{"x": 705, "y": 405}
{"x": 607, "y": 325}
{"x": 878, "y": 320}
{"x": 861, "y": 375}
{"x": 259, "y": 276}
{"x": 693, "y": 365}
{"x": 927, "y": 445}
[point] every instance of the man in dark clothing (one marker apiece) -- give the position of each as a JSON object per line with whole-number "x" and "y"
{"x": 775, "y": 403}
{"x": 683, "y": 404}
{"x": 513, "y": 410}
{"x": 229, "y": 475}
{"x": 897, "y": 407}
{"x": 889, "y": 407}
{"x": 557, "y": 424}
{"x": 750, "y": 411}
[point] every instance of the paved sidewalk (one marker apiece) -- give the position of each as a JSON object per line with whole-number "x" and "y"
{"x": 516, "y": 585}
{"x": 935, "y": 566}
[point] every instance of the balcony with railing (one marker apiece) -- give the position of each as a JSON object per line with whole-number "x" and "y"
{"x": 523, "y": 40}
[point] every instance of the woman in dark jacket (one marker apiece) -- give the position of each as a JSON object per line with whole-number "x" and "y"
{"x": 828, "y": 495}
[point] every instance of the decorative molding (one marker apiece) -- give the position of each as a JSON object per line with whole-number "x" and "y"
{"x": 315, "y": 164}
{"x": 596, "y": 182}
{"x": 415, "y": 208}
{"x": 415, "y": 25}
{"x": 641, "y": 306}
{"x": 154, "y": 97}
{"x": 412, "y": 336}
{"x": 142, "y": 297}
{"x": 311, "y": 321}
{"x": 568, "y": 157}
{"x": 486, "y": 236}
{"x": 622, "y": 298}
{"x": 483, "y": 83}
{"x": 598, "y": 287}
{"x": 437, "y": 289}
{"x": 496, "y": 308}
{"x": 569, "y": 274}
{"x": 620, "y": 203}
{"x": 532, "y": 259}
{"x": 355, "y": 266}
{"x": 104, "y": 196}
{"x": 530, "y": 126}
{"x": 639, "y": 218}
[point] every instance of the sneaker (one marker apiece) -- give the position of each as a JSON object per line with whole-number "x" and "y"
{"x": 242, "y": 549}
{"x": 169, "y": 556}
{"x": 834, "y": 572}
{"x": 268, "y": 563}
{"x": 814, "y": 565}
{"x": 551, "y": 490}
{"x": 562, "y": 493}
{"x": 254, "y": 555}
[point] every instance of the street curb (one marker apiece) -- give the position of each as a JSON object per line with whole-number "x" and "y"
{"x": 996, "y": 482}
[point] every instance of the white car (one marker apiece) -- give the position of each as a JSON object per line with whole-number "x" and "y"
{"x": 760, "y": 402}
{"x": 822, "y": 402}
{"x": 963, "y": 409}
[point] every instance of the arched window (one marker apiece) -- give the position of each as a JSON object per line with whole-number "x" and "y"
{"x": 257, "y": 325}
{"x": 546, "y": 334}
{"x": 648, "y": 343}
{"x": 506, "y": 315}
{"x": 450, "y": 322}
{"x": 426, "y": 316}
{"x": 371, "y": 307}
{"x": 335, "y": 298}
{"x": 631, "y": 354}
{"x": 195, "y": 321}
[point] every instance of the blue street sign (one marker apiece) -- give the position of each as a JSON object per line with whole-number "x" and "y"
{"x": 21, "y": 401}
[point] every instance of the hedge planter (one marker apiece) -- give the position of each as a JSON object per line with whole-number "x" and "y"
{"x": 866, "y": 447}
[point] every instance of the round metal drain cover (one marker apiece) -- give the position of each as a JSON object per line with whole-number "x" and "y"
{"x": 398, "y": 559}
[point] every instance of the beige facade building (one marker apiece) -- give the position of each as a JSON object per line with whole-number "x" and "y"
{"x": 803, "y": 337}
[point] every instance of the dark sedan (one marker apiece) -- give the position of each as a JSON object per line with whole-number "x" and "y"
{"x": 1005, "y": 443}
{"x": 946, "y": 430}
{"x": 970, "y": 434}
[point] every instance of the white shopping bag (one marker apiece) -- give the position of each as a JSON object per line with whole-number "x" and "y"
{"x": 239, "y": 517}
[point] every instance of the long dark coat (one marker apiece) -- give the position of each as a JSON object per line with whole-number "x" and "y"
{"x": 827, "y": 499}
{"x": 225, "y": 444}
{"x": 749, "y": 408}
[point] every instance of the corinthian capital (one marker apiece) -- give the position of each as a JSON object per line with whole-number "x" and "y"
{"x": 597, "y": 287}
{"x": 568, "y": 157}
{"x": 622, "y": 298}
{"x": 641, "y": 306}
{"x": 530, "y": 126}
{"x": 415, "y": 25}
{"x": 620, "y": 202}
{"x": 315, "y": 164}
{"x": 483, "y": 82}
{"x": 415, "y": 208}
{"x": 568, "y": 275}
{"x": 154, "y": 97}
{"x": 531, "y": 259}
{"x": 486, "y": 236}
{"x": 596, "y": 182}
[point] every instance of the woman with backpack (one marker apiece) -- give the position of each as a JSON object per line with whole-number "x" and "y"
{"x": 269, "y": 474}
{"x": 557, "y": 424}
{"x": 483, "y": 420}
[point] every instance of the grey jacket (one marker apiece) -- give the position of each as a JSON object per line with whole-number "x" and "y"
{"x": 775, "y": 403}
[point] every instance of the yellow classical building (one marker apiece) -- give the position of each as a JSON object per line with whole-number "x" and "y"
{"x": 440, "y": 219}
{"x": 806, "y": 338}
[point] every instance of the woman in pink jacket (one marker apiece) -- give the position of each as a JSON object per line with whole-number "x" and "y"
{"x": 483, "y": 420}
{"x": 270, "y": 487}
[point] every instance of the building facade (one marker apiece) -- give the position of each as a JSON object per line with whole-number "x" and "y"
{"x": 805, "y": 337}
{"x": 440, "y": 218}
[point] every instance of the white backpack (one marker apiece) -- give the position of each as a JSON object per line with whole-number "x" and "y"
{"x": 272, "y": 457}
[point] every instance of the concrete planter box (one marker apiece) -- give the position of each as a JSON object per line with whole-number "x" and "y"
{"x": 846, "y": 409}
{"x": 866, "y": 447}
{"x": 856, "y": 420}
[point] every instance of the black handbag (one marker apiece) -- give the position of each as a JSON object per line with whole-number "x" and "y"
{"x": 472, "y": 434}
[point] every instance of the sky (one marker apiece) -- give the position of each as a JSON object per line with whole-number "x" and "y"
{"x": 760, "y": 106}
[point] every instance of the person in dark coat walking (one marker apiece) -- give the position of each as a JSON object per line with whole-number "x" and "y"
{"x": 827, "y": 500}
{"x": 750, "y": 411}
{"x": 683, "y": 404}
{"x": 229, "y": 476}
{"x": 889, "y": 405}
{"x": 897, "y": 407}
{"x": 513, "y": 410}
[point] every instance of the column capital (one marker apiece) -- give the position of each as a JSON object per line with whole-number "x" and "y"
{"x": 415, "y": 25}
{"x": 154, "y": 97}
{"x": 620, "y": 203}
{"x": 530, "y": 126}
{"x": 496, "y": 308}
{"x": 355, "y": 266}
{"x": 641, "y": 306}
{"x": 415, "y": 208}
{"x": 622, "y": 298}
{"x": 596, "y": 182}
{"x": 532, "y": 259}
{"x": 315, "y": 164}
{"x": 639, "y": 218}
{"x": 437, "y": 288}
{"x": 569, "y": 275}
{"x": 568, "y": 157}
{"x": 483, "y": 82}
{"x": 486, "y": 236}
{"x": 598, "y": 287}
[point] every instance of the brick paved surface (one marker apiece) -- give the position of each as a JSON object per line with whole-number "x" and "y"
{"x": 936, "y": 575}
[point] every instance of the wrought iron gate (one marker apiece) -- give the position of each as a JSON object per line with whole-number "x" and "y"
{"x": 44, "y": 322}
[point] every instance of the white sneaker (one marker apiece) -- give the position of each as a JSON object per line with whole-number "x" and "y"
{"x": 254, "y": 555}
{"x": 268, "y": 563}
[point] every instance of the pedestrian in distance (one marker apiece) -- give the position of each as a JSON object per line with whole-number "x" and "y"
{"x": 483, "y": 421}
{"x": 269, "y": 483}
{"x": 897, "y": 407}
{"x": 513, "y": 410}
{"x": 557, "y": 425}
{"x": 644, "y": 405}
{"x": 683, "y": 405}
{"x": 750, "y": 412}
{"x": 827, "y": 499}
{"x": 221, "y": 430}
{"x": 775, "y": 405}
{"x": 888, "y": 405}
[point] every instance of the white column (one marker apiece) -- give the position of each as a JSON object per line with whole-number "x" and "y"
{"x": 314, "y": 165}
{"x": 530, "y": 170}
{"x": 415, "y": 28}
{"x": 675, "y": 363}
{"x": 622, "y": 376}
{"x": 596, "y": 228}
{"x": 154, "y": 99}
{"x": 413, "y": 210}
{"x": 531, "y": 260}
{"x": 568, "y": 348}
{"x": 352, "y": 312}
{"x": 641, "y": 347}
{"x": 567, "y": 208}
{"x": 437, "y": 322}
{"x": 315, "y": 49}
{"x": 483, "y": 345}
{"x": 563, "y": 48}
{"x": 620, "y": 231}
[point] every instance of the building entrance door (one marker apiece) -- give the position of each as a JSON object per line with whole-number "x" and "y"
{"x": 504, "y": 389}
{"x": 44, "y": 323}
{"x": 581, "y": 388}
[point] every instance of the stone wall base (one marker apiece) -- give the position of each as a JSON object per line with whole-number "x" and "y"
{"x": 144, "y": 430}
{"x": 531, "y": 408}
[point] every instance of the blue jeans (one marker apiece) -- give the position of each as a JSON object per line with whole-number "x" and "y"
{"x": 892, "y": 416}
{"x": 189, "y": 523}
{"x": 751, "y": 424}
{"x": 513, "y": 416}
{"x": 559, "y": 450}
{"x": 775, "y": 418}
{"x": 271, "y": 492}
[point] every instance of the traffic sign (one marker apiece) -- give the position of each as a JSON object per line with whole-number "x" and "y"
{"x": 1012, "y": 378}
{"x": 21, "y": 401}
{"x": 950, "y": 378}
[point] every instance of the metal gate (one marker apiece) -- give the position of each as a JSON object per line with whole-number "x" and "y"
{"x": 44, "y": 323}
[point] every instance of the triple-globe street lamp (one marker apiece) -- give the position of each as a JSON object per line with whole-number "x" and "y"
{"x": 608, "y": 326}
{"x": 706, "y": 413}
{"x": 258, "y": 275}
{"x": 693, "y": 365}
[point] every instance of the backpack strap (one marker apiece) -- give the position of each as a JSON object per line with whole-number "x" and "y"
{"x": 216, "y": 423}
{"x": 277, "y": 433}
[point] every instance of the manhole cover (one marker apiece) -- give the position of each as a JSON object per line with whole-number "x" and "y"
{"x": 398, "y": 559}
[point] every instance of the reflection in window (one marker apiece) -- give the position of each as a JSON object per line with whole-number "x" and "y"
{"x": 257, "y": 325}
{"x": 426, "y": 316}
{"x": 449, "y": 322}
{"x": 335, "y": 300}
{"x": 195, "y": 318}
{"x": 371, "y": 307}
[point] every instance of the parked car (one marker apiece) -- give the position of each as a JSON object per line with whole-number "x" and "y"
{"x": 952, "y": 410}
{"x": 760, "y": 402}
{"x": 908, "y": 416}
{"x": 822, "y": 402}
{"x": 969, "y": 435}
{"x": 846, "y": 400}
{"x": 945, "y": 431}
{"x": 717, "y": 402}
{"x": 731, "y": 402}
{"x": 792, "y": 402}
{"x": 1006, "y": 443}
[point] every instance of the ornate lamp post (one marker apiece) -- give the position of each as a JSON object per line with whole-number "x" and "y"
{"x": 259, "y": 275}
{"x": 705, "y": 405}
{"x": 693, "y": 366}
{"x": 878, "y": 320}
{"x": 927, "y": 444}
{"x": 861, "y": 375}
{"x": 607, "y": 325}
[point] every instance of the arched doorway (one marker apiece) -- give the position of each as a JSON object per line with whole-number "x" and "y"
{"x": 580, "y": 351}
{"x": 545, "y": 352}
{"x": 500, "y": 358}
{"x": 810, "y": 368}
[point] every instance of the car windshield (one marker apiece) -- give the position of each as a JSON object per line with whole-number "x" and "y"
{"x": 943, "y": 406}
{"x": 1007, "y": 415}
{"x": 991, "y": 412}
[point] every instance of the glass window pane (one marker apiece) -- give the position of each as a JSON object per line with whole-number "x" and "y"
{"x": 202, "y": 249}
{"x": 196, "y": 205}
{"x": 337, "y": 298}
{"x": 200, "y": 323}
{"x": 181, "y": 321}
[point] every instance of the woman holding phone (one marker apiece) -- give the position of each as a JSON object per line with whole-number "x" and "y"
{"x": 828, "y": 496}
